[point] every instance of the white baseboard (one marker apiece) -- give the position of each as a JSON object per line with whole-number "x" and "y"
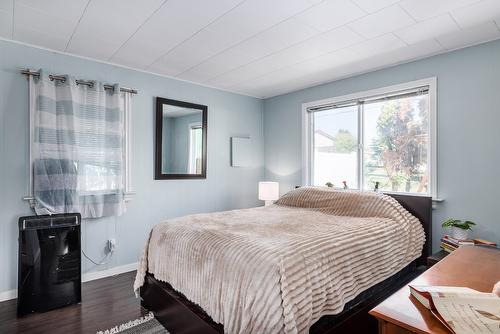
{"x": 93, "y": 275}
{"x": 9, "y": 294}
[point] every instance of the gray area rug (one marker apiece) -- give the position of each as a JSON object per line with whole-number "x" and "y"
{"x": 145, "y": 325}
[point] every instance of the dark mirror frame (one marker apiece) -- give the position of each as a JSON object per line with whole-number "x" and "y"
{"x": 160, "y": 101}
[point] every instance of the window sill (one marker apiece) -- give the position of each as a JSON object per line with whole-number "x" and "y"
{"x": 436, "y": 201}
{"x": 128, "y": 196}
{"x": 31, "y": 200}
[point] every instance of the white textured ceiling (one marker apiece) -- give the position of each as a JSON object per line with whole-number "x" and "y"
{"x": 257, "y": 47}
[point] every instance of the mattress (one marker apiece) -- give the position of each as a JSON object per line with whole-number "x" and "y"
{"x": 278, "y": 269}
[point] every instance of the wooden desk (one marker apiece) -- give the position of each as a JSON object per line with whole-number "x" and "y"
{"x": 474, "y": 267}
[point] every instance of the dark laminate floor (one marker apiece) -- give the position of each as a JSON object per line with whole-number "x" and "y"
{"x": 106, "y": 303}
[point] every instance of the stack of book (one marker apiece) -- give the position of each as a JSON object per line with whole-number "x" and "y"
{"x": 449, "y": 243}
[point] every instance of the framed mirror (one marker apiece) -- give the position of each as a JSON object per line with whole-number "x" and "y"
{"x": 181, "y": 140}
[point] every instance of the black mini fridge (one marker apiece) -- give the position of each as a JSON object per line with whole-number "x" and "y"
{"x": 49, "y": 274}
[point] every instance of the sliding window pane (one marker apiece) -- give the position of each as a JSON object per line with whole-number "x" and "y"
{"x": 396, "y": 144}
{"x": 336, "y": 146}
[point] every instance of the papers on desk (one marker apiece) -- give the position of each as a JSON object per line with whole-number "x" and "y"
{"x": 461, "y": 310}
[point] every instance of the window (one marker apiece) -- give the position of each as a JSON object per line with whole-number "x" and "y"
{"x": 195, "y": 149}
{"x": 384, "y": 136}
{"x": 336, "y": 146}
{"x": 79, "y": 147}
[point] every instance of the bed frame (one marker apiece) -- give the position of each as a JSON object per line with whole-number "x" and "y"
{"x": 180, "y": 316}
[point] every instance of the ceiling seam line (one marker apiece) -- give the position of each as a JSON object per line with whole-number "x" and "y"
{"x": 321, "y": 33}
{"x": 135, "y": 32}
{"x": 307, "y": 24}
{"x": 359, "y": 7}
{"x": 446, "y": 11}
{"x": 497, "y": 24}
{"x": 357, "y": 33}
{"x": 346, "y": 25}
{"x": 432, "y": 54}
{"x": 400, "y": 39}
{"x": 77, "y": 24}
{"x": 308, "y": 59}
{"x": 347, "y": 76}
{"x": 196, "y": 33}
{"x": 295, "y": 44}
{"x": 387, "y": 6}
{"x": 440, "y": 44}
{"x": 456, "y": 22}
{"x": 407, "y": 13}
{"x": 254, "y": 35}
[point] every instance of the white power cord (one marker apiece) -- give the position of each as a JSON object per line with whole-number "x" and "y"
{"x": 111, "y": 244}
{"x": 97, "y": 263}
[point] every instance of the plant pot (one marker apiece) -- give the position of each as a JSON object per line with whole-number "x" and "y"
{"x": 459, "y": 233}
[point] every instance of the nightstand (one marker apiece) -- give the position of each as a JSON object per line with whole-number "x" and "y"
{"x": 403, "y": 314}
{"x": 436, "y": 257}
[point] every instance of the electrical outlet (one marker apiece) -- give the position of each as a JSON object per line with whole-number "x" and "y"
{"x": 111, "y": 245}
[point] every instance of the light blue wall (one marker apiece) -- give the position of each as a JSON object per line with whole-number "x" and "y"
{"x": 468, "y": 131}
{"x": 225, "y": 187}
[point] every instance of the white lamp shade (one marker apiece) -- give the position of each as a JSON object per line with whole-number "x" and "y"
{"x": 269, "y": 191}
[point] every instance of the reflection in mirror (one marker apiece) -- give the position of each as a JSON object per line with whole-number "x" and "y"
{"x": 180, "y": 135}
{"x": 181, "y": 140}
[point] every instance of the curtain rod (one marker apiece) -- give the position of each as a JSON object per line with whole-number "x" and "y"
{"x": 78, "y": 82}
{"x": 373, "y": 99}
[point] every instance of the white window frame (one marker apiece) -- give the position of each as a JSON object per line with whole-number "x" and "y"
{"x": 308, "y": 137}
{"x": 192, "y": 126}
{"x": 127, "y": 149}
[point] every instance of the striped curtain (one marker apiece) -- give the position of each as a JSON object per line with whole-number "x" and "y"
{"x": 78, "y": 149}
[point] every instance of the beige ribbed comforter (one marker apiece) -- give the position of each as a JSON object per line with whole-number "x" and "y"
{"x": 278, "y": 269}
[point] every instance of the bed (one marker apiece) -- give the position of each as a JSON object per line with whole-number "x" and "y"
{"x": 306, "y": 264}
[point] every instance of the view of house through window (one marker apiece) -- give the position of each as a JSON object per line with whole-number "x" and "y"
{"x": 336, "y": 146}
{"x": 384, "y": 139}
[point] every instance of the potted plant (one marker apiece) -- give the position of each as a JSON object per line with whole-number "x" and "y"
{"x": 459, "y": 230}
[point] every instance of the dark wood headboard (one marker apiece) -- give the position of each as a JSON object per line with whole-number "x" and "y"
{"x": 420, "y": 207}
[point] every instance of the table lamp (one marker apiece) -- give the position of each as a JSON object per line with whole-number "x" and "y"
{"x": 269, "y": 192}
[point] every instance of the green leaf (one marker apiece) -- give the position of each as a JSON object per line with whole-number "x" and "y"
{"x": 466, "y": 225}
